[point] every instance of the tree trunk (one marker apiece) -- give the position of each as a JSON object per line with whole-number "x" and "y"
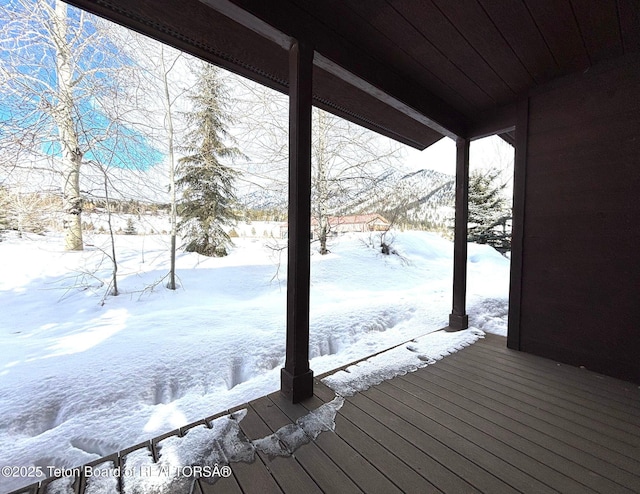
{"x": 114, "y": 262}
{"x": 321, "y": 183}
{"x": 172, "y": 174}
{"x": 69, "y": 142}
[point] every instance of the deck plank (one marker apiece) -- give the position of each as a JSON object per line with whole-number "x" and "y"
{"x": 539, "y": 462}
{"x": 594, "y": 426}
{"x": 523, "y": 420}
{"x": 592, "y": 382}
{"x": 429, "y": 438}
{"x": 420, "y": 462}
{"x": 287, "y": 472}
{"x": 352, "y": 463}
{"x": 255, "y": 478}
{"x": 323, "y": 392}
{"x": 483, "y": 430}
{"x": 571, "y": 392}
{"x": 452, "y": 432}
{"x": 401, "y": 475}
{"x": 394, "y": 469}
{"x": 223, "y": 485}
{"x": 327, "y": 475}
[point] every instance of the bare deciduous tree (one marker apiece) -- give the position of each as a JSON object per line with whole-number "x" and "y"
{"x": 165, "y": 68}
{"x": 62, "y": 82}
{"x": 168, "y": 80}
{"x": 349, "y": 162}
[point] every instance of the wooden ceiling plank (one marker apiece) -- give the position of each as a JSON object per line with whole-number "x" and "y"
{"x": 494, "y": 121}
{"x": 519, "y": 30}
{"x": 350, "y": 25}
{"x": 598, "y": 22}
{"x": 292, "y": 20}
{"x": 629, "y": 21}
{"x": 557, "y": 24}
{"x": 479, "y": 30}
{"x": 406, "y": 23}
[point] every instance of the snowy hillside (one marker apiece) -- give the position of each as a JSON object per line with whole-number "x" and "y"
{"x": 83, "y": 374}
{"x": 423, "y": 199}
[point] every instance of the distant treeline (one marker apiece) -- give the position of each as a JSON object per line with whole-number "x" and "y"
{"x": 126, "y": 206}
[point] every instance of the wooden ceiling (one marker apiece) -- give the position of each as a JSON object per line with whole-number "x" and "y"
{"x": 412, "y": 70}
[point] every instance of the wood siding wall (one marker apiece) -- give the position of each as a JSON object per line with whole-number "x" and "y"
{"x": 581, "y": 249}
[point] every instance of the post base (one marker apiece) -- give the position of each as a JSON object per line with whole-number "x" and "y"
{"x": 296, "y": 388}
{"x": 456, "y": 322}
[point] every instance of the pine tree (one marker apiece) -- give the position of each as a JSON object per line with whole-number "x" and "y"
{"x": 130, "y": 228}
{"x": 488, "y": 211}
{"x": 208, "y": 193}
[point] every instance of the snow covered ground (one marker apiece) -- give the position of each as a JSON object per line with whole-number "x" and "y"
{"x": 83, "y": 374}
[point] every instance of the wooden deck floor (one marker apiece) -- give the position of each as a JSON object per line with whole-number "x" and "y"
{"x": 486, "y": 419}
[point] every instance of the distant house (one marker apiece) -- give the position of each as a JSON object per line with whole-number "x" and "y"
{"x": 372, "y": 222}
{"x": 355, "y": 223}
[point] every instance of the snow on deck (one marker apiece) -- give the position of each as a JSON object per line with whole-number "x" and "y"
{"x": 399, "y": 360}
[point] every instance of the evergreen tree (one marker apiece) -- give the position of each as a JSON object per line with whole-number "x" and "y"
{"x": 488, "y": 211}
{"x": 130, "y": 228}
{"x": 208, "y": 193}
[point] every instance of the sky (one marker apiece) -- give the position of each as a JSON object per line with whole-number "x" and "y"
{"x": 484, "y": 153}
{"x": 108, "y": 132}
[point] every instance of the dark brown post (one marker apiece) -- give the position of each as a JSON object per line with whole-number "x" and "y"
{"x": 517, "y": 231}
{"x": 296, "y": 378}
{"x": 458, "y": 319}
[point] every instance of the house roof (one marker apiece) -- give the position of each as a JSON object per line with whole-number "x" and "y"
{"x": 356, "y": 219}
{"x": 413, "y": 71}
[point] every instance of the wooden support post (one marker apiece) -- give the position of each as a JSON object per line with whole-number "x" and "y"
{"x": 458, "y": 319}
{"x": 517, "y": 231}
{"x": 296, "y": 378}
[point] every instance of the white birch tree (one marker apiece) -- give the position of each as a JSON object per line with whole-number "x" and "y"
{"x": 64, "y": 86}
{"x": 169, "y": 102}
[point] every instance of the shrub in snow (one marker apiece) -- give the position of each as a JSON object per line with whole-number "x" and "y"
{"x": 130, "y": 228}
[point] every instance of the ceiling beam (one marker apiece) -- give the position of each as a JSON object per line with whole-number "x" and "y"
{"x": 509, "y": 138}
{"x": 186, "y": 25}
{"x": 381, "y": 95}
{"x": 496, "y": 121}
{"x": 347, "y": 61}
{"x": 251, "y": 38}
{"x": 244, "y": 18}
